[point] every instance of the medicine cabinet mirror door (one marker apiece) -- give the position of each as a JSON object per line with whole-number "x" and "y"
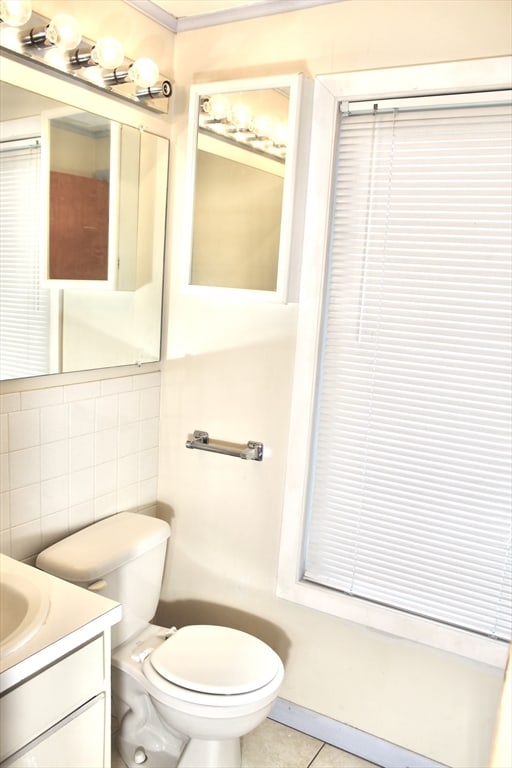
{"x": 80, "y": 174}
{"x": 82, "y": 227}
{"x": 246, "y": 187}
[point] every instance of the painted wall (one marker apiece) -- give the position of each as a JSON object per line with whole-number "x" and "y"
{"x": 501, "y": 756}
{"x": 229, "y": 371}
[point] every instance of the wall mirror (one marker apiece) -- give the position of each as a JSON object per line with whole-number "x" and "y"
{"x": 246, "y": 172}
{"x": 83, "y": 186}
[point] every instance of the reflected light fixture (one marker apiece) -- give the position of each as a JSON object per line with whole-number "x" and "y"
{"x": 58, "y": 44}
{"x": 236, "y": 123}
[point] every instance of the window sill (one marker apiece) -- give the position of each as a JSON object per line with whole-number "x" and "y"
{"x": 393, "y": 622}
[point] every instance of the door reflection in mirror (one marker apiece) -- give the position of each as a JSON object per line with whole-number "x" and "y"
{"x": 79, "y": 184}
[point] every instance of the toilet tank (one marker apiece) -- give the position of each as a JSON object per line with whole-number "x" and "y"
{"x": 121, "y": 557}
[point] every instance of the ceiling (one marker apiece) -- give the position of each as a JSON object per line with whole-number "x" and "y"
{"x": 181, "y": 8}
{"x": 180, "y": 15}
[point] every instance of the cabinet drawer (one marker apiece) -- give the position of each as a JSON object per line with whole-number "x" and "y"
{"x": 77, "y": 742}
{"x": 51, "y": 695}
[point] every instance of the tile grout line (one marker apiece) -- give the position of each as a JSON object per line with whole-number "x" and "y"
{"x": 309, "y": 765}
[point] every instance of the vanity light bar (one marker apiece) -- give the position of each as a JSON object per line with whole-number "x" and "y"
{"x": 57, "y": 44}
{"x": 245, "y": 130}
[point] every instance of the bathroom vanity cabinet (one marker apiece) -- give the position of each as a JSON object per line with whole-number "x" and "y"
{"x": 58, "y": 717}
{"x": 55, "y": 699}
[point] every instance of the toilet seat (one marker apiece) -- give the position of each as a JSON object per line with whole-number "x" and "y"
{"x": 215, "y": 660}
{"x": 133, "y": 659}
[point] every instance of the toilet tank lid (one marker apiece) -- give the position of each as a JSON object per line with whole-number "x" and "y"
{"x": 99, "y": 549}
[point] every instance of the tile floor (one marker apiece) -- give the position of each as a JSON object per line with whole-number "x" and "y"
{"x": 273, "y": 745}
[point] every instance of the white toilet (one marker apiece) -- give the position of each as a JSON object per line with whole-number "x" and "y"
{"x": 183, "y": 697}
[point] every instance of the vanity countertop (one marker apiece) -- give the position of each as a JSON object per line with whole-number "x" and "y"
{"x": 75, "y": 616}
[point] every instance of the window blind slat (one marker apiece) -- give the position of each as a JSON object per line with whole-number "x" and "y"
{"x": 24, "y": 305}
{"x": 410, "y": 490}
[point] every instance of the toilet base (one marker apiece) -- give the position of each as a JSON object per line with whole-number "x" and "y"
{"x": 209, "y": 753}
{"x": 162, "y": 722}
{"x": 149, "y": 755}
{"x": 206, "y": 753}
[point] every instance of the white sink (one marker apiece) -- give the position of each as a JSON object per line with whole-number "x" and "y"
{"x": 24, "y": 606}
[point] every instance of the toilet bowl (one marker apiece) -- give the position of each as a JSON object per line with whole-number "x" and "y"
{"x": 201, "y": 684}
{"x": 181, "y": 697}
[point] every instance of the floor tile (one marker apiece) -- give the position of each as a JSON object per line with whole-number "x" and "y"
{"x": 117, "y": 762}
{"x": 329, "y": 757}
{"x": 273, "y": 745}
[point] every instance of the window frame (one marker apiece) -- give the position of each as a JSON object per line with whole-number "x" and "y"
{"x": 329, "y": 91}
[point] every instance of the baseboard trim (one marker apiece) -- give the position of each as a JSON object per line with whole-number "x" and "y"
{"x": 364, "y": 745}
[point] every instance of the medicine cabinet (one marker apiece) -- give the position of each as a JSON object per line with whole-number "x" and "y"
{"x": 247, "y": 168}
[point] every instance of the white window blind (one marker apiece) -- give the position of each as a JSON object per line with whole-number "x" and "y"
{"x": 409, "y": 502}
{"x": 24, "y": 304}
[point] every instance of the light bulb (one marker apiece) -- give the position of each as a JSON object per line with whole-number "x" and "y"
{"x": 15, "y": 12}
{"x": 144, "y": 73}
{"x": 218, "y": 107}
{"x": 64, "y": 32}
{"x": 241, "y": 116}
{"x": 108, "y": 53}
{"x": 262, "y": 125}
{"x": 9, "y": 38}
{"x": 93, "y": 75}
{"x": 280, "y": 134}
{"x": 57, "y": 58}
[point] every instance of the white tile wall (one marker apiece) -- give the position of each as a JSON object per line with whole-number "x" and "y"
{"x": 70, "y": 455}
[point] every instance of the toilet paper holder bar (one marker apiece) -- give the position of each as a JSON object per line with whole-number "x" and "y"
{"x": 251, "y": 452}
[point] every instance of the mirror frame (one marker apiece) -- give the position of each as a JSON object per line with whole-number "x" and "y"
{"x": 294, "y": 187}
{"x": 72, "y": 94}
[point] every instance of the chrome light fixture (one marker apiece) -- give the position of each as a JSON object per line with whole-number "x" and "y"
{"x": 57, "y": 44}
{"x": 236, "y": 123}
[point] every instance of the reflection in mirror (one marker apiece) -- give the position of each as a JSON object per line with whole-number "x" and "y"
{"x": 243, "y": 166}
{"x": 79, "y": 170}
{"x": 239, "y": 189}
{"x": 89, "y": 193}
